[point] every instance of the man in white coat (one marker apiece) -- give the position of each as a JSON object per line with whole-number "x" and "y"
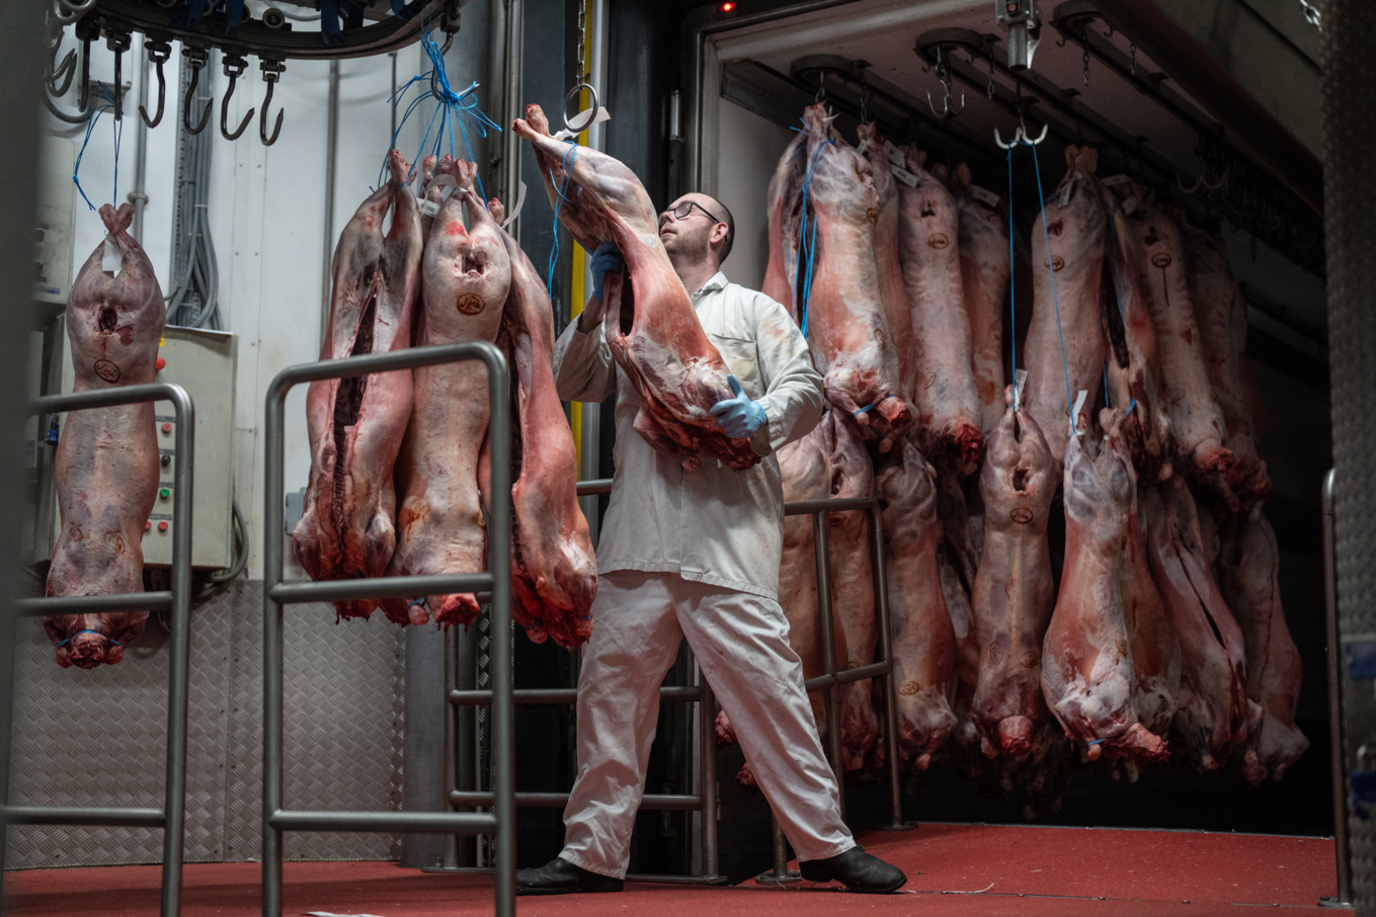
{"x": 696, "y": 554}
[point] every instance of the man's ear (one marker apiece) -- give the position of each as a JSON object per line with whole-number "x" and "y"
{"x": 718, "y": 234}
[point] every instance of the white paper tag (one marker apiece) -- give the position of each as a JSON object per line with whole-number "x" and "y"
{"x": 1019, "y": 383}
{"x": 111, "y": 259}
{"x": 894, "y": 154}
{"x": 987, "y": 198}
{"x": 520, "y": 202}
{"x": 429, "y": 208}
{"x": 1117, "y": 180}
{"x": 1075, "y": 411}
{"x": 864, "y": 145}
{"x": 1129, "y": 205}
{"x": 581, "y": 123}
{"x": 904, "y": 176}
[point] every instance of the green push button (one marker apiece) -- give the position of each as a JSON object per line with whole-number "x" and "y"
{"x": 165, "y": 493}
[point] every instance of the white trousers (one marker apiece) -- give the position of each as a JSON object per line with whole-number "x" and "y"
{"x": 741, "y": 642}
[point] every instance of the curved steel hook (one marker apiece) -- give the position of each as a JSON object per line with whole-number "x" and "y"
{"x": 158, "y": 53}
{"x": 271, "y": 77}
{"x": 197, "y": 62}
{"x": 234, "y": 65}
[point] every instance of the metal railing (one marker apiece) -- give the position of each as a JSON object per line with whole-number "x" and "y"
{"x": 1338, "y": 769}
{"x": 705, "y": 800}
{"x": 500, "y": 823}
{"x": 171, "y": 818}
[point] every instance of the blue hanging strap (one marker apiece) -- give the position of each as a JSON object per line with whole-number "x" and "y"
{"x": 107, "y": 99}
{"x": 570, "y": 155}
{"x": 98, "y": 633}
{"x": 1055, "y": 299}
{"x": 1012, "y": 284}
{"x": 807, "y": 245}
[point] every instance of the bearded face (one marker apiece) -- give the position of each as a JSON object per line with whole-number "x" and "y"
{"x": 687, "y": 240}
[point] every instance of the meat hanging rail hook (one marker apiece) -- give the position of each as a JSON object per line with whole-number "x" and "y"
{"x": 234, "y": 65}
{"x": 197, "y": 58}
{"x": 158, "y": 52}
{"x": 943, "y": 75}
{"x": 272, "y": 70}
{"x": 118, "y": 42}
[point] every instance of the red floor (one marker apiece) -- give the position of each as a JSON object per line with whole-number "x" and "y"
{"x": 952, "y": 870}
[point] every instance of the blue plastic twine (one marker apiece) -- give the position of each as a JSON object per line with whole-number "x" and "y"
{"x": 570, "y": 155}
{"x": 807, "y": 246}
{"x": 1046, "y": 236}
{"x": 108, "y": 98}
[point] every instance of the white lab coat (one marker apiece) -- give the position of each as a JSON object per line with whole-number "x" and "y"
{"x": 696, "y": 554}
{"x": 714, "y": 525}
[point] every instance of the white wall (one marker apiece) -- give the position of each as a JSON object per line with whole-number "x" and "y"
{"x": 749, "y": 148}
{"x": 267, "y": 214}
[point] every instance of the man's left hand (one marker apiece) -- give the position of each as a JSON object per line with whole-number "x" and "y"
{"x": 739, "y": 418}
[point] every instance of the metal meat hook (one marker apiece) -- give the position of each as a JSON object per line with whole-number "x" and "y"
{"x": 943, "y": 76}
{"x": 234, "y": 65}
{"x": 271, "y": 71}
{"x": 198, "y": 58}
{"x": 158, "y": 52}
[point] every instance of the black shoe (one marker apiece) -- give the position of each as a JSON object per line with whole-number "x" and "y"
{"x": 857, "y": 870}
{"x": 560, "y": 877}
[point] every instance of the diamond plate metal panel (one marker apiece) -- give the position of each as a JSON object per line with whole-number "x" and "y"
{"x": 98, "y": 737}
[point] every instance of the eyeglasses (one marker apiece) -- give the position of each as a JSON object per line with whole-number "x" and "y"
{"x": 685, "y": 210}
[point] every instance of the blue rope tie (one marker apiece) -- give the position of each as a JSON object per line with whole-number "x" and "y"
{"x": 866, "y": 409}
{"x": 570, "y": 155}
{"x": 414, "y": 602}
{"x": 1012, "y": 283}
{"x": 807, "y": 247}
{"x": 1055, "y": 299}
{"x": 107, "y": 96}
{"x": 98, "y": 633}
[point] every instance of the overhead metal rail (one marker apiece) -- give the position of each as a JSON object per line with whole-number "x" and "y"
{"x": 705, "y": 800}
{"x": 171, "y": 818}
{"x": 500, "y": 824}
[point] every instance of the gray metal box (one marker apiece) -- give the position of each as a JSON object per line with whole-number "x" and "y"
{"x": 204, "y": 363}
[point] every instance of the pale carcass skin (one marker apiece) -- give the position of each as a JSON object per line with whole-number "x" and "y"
{"x": 553, "y": 567}
{"x": 944, "y": 394}
{"x": 785, "y": 208}
{"x": 847, "y": 327}
{"x": 1087, "y": 671}
{"x": 1248, "y": 566}
{"x": 1197, "y": 424}
{"x": 356, "y": 425}
{"x": 924, "y": 643}
{"x": 465, "y": 279}
{"x": 893, "y": 294}
{"x": 1134, "y": 368}
{"x": 1221, "y": 315}
{"x": 650, "y": 325}
{"x": 1211, "y": 705}
{"x": 1070, "y": 274}
{"x": 985, "y": 269}
{"x": 1014, "y": 589}
{"x": 1156, "y": 657}
{"x": 107, "y": 459}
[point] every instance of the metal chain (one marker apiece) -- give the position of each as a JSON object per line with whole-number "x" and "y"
{"x": 1086, "y": 57}
{"x": 583, "y": 75}
{"x": 1312, "y": 15}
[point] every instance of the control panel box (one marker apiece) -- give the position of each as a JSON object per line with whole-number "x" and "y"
{"x": 55, "y": 223}
{"x": 204, "y": 363}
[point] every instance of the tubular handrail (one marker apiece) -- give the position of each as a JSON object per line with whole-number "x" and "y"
{"x": 500, "y": 823}
{"x": 171, "y": 818}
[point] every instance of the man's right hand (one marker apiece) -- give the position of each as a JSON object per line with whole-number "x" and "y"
{"x": 606, "y": 258}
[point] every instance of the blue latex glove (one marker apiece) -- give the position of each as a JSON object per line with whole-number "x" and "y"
{"x": 739, "y": 418}
{"x": 606, "y": 258}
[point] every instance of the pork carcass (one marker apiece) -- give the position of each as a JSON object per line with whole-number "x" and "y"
{"x": 1197, "y": 423}
{"x": 1014, "y": 589}
{"x": 553, "y": 569}
{"x": 1156, "y": 656}
{"x": 985, "y": 268}
{"x": 650, "y": 325}
{"x": 107, "y": 458}
{"x": 1211, "y": 705}
{"x": 465, "y": 279}
{"x": 356, "y": 425}
{"x": 1087, "y": 671}
{"x": 1248, "y": 565}
{"x": 944, "y": 393}
{"x": 1221, "y": 315}
{"x": 785, "y": 208}
{"x": 893, "y": 294}
{"x": 846, "y": 324}
{"x": 924, "y": 642}
{"x": 1134, "y": 369}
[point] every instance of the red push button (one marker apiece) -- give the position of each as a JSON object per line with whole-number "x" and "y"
{"x": 161, "y": 363}
{"x": 162, "y": 526}
{"x": 167, "y": 428}
{"x": 147, "y": 526}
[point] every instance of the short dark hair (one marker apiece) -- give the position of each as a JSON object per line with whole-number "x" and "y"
{"x": 725, "y": 213}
